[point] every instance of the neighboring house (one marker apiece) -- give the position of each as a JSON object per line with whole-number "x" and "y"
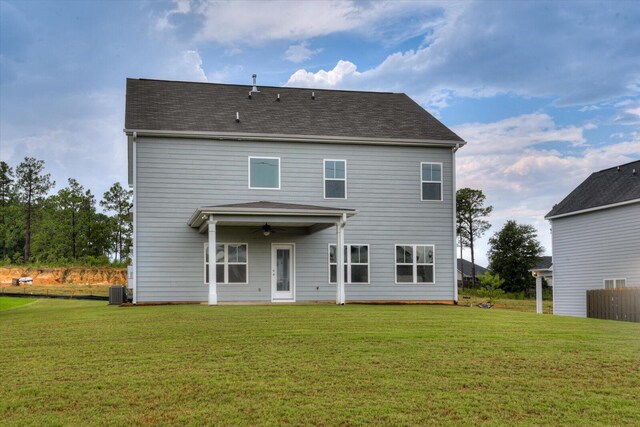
{"x": 244, "y": 194}
{"x": 464, "y": 271}
{"x": 596, "y": 237}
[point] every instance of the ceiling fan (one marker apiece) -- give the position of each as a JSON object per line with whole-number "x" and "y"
{"x": 267, "y": 230}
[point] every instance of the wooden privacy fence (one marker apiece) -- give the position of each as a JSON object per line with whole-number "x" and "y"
{"x": 614, "y": 304}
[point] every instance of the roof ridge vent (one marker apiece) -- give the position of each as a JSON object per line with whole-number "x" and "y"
{"x": 255, "y": 87}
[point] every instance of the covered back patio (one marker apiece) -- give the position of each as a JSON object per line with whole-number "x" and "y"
{"x": 267, "y": 217}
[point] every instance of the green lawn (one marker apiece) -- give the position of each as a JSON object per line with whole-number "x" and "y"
{"x": 6, "y": 302}
{"x": 85, "y": 363}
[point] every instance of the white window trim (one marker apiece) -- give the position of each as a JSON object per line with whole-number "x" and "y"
{"x": 325, "y": 179}
{"x": 414, "y": 264}
{"x": 249, "y": 173}
{"x": 441, "y": 182}
{"x": 614, "y": 282}
{"x": 347, "y": 263}
{"x": 226, "y": 263}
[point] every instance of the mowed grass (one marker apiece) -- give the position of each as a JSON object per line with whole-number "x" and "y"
{"x": 528, "y": 305}
{"x": 85, "y": 363}
{"x": 10, "y": 302}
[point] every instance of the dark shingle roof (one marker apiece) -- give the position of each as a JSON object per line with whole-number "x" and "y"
{"x": 465, "y": 267}
{"x": 544, "y": 263}
{"x": 609, "y": 186}
{"x": 207, "y": 107}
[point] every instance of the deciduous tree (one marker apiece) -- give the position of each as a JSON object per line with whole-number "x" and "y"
{"x": 513, "y": 251}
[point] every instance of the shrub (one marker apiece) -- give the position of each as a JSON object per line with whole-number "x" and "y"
{"x": 490, "y": 287}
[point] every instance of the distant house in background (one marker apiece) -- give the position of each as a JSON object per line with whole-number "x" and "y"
{"x": 596, "y": 237}
{"x": 464, "y": 272}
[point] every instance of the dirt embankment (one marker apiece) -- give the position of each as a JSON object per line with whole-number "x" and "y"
{"x": 63, "y": 276}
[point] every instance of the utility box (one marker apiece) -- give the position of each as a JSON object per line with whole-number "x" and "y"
{"x": 117, "y": 295}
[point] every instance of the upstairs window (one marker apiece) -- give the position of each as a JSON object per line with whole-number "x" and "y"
{"x": 414, "y": 264}
{"x": 356, "y": 264}
{"x": 335, "y": 179}
{"x": 431, "y": 180}
{"x": 264, "y": 173}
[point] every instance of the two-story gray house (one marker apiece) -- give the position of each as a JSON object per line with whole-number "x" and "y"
{"x": 246, "y": 194}
{"x": 596, "y": 237}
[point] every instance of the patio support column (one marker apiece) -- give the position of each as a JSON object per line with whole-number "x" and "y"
{"x": 213, "y": 288}
{"x": 539, "y": 293}
{"x": 340, "y": 294}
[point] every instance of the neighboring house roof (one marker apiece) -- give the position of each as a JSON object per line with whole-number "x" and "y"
{"x": 174, "y": 106}
{"x": 544, "y": 263}
{"x": 619, "y": 184}
{"x": 464, "y": 266}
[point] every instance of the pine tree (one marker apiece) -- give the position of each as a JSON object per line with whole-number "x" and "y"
{"x": 470, "y": 214}
{"x": 118, "y": 200}
{"x": 7, "y": 197}
{"x": 32, "y": 185}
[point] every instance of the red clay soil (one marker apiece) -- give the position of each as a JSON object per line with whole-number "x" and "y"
{"x": 63, "y": 276}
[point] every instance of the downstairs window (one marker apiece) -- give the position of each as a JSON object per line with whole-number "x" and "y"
{"x": 232, "y": 263}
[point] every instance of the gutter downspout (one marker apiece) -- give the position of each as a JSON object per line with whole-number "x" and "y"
{"x": 455, "y": 237}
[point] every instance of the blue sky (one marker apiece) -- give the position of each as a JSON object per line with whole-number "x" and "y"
{"x": 544, "y": 92}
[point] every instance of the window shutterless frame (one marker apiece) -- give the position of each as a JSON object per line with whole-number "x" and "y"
{"x": 430, "y": 180}
{"x": 414, "y": 264}
{"x": 325, "y": 178}
{"x": 249, "y": 173}
{"x": 226, "y": 263}
{"x": 348, "y": 264}
{"x": 615, "y": 283}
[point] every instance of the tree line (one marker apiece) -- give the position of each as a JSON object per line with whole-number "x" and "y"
{"x": 513, "y": 250}
{"x": 38, "y": 225}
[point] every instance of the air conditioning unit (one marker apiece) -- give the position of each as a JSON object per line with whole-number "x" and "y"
{"x": 117, "y": 295}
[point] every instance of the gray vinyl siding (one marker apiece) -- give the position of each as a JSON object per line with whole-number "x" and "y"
{"x": 591, "y": 247}
{"x": 176, "y": 176}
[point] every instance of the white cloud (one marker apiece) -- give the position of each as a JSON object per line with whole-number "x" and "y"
{"x": 629, "y": 115}
{"x": 228, "y": 74}
{"x": 187, "y": 65}
{"x": 300, "y": 52}
{"x": 252, "y": 22}
{"x": 513, "y": 47}
{"x": 634, "y": 111}
{"x": 522, "y": 177}
{"x": 587, "y": 108}
{"x": 324, "y": 79}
